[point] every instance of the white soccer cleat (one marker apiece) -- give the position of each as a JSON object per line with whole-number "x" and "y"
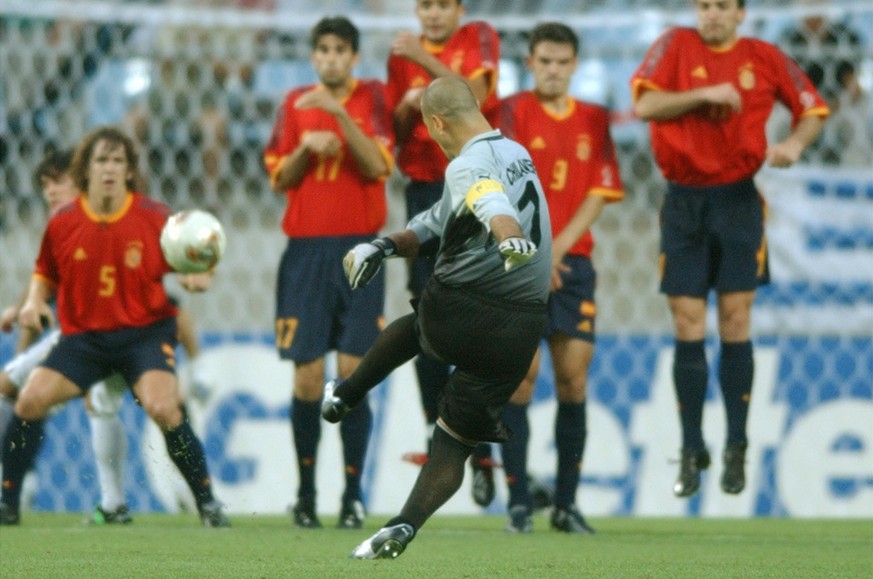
{"x": 388, "y": 543}
{"x": 333, "y": 409}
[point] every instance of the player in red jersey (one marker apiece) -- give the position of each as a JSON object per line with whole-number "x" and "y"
{"x": 573, "y": 153}
{"x": 707, "y": 94}
{"x": 329, "y": 154}
{"x": 101, "y": 258}
{"x": 444, "y": 48}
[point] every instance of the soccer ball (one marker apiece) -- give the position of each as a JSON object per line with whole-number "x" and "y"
{"x": 193, "y": 241}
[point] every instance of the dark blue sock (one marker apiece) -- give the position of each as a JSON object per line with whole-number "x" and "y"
{"x": 20, "y": 447}
{"x": 690, "y": 375}
{"x": 306, "y": 430}
{"x": 736, "y": 371}
{"x": 186, "y": 452}
{"x": 514, "y": 452}
{"x": 355, "y": 433}
{"x": 570, "y": 432}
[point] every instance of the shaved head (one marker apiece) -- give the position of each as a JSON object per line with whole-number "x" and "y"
{"x": 449, "y": 97}
{"x": 451, "y": 114}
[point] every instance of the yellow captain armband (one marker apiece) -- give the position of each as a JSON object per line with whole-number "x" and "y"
{"x": 480, "y": 188}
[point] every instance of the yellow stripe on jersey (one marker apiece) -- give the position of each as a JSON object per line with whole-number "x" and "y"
{"x": 609, "y": 195}
{"x": 480, "y": 188}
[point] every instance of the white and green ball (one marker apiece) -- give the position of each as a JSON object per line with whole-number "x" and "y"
{"x": 193, "y": 241}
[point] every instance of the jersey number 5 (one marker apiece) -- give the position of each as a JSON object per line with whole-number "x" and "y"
{"x": 107, "y": 281}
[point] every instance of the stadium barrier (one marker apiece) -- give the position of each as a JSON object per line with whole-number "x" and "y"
{"x": 810, "y": 454}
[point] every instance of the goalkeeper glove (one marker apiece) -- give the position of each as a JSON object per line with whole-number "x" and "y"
{"x": 364, "y": 260}
{"x": 516, "y": 251}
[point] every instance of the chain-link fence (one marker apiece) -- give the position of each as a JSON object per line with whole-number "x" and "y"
{"x": 198, "y": 85}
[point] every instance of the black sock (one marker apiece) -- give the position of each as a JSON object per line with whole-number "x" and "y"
{"x": 735, "y": 373}
{"x": 20, "y": 447}
{"x": 514, "y": 453}
{"x": 432, "y": 376}
{"x": 355, "y": 433}
{"x": 439, "y": 479}
{"x": 306, "y": 429}
{"x": 570, "y": 431}
{"x": 690, "y": 375}
{"x": 396, "y": 344}
{"x": 186, "y": 452}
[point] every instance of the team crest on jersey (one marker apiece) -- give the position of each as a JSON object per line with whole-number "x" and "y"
{"x": 700, "y": 72}
{"x": 747, "y": 77}
{"x": 587, "y": 309}
{"x": 583, "y": 147}
{"x": 133, "y": 254}
{"x": 80, "y": 254}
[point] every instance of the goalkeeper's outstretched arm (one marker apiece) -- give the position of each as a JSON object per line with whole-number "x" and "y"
{"x": 364, "y": 260}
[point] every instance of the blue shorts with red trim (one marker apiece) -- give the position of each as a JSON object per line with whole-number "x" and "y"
{"x": 713, "y": 238}
{"x": 316, "y": 309}
{"x": 89, "y": 357}
{"x": 571, "y": 308}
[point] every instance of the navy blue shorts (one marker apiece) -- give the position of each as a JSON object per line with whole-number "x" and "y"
{"x": 90, "y": 357}
{"x": 571, "y": 308}
{"x": 316, "y": 309}
{"x": 713, "y": 238}
{"x": 420, "y": 196}
{"x": 491, "y": 344}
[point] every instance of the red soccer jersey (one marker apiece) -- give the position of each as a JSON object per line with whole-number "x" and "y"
{"x": 108, "y": 272}
{"x": 471, "y": 52}
{"x": 573, "y": 154}
{"x": 713, "y": 145}
{"x": 333, "y": 198}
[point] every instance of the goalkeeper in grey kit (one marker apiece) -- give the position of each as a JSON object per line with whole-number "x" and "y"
{"x": 483, "y": 310}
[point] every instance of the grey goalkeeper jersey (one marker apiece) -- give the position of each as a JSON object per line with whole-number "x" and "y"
{"x": 492, "y": 175}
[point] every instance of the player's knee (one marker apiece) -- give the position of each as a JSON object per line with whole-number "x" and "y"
{"x": 309, "y": 380}
{"x": 574, "y": 390}
{"x": 689, "y": 318}
{"x": 8, "y": 389}
{"x": 30, "y": 407}
{"x": 524, "y": 393}
{"x": 308, "y": 390}
{"x": 734, "y": 324}
{"x": 166, "y": 413}
{"x": 688, "y": 327}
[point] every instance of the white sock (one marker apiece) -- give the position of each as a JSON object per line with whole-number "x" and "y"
{"x": 110, "y": 449}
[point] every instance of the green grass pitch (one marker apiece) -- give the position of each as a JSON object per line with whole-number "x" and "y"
{"x": 58, "y": 545}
